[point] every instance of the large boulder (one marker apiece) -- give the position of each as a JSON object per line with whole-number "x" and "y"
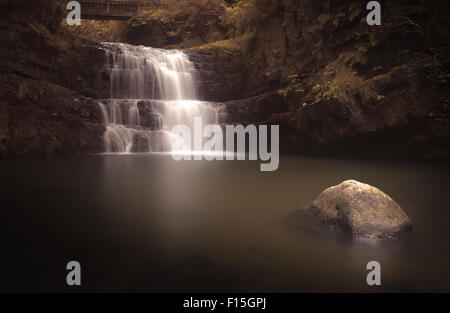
{"x": 362, "y": 210}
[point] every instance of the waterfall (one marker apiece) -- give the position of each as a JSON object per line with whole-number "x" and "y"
{"x": 151, "y": 91}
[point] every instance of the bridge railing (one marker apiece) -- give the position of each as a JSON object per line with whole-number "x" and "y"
{"x": 111, "y": 9}
{"x": 116, "y": 3}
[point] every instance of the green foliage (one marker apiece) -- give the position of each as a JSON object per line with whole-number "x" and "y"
{"x": 198, "y": 13}
{"x": 245, "y": 14}
{"x": 182, "y": 23}
{"x": 97, "y": 31}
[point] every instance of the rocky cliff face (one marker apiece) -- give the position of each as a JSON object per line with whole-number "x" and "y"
{"x": 339, "y": 86}
{"x": 333, "y": 83}
{"x": 221, "y": 67}
{"x": 46, "y": 76}
{"x": 371, "y": 91}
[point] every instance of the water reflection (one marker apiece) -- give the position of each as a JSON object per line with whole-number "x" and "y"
{"x": 148, "y": 223}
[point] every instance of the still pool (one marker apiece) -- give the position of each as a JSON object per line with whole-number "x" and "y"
{"x": 145, "y": 222}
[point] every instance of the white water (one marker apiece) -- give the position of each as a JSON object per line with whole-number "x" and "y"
{"x": 151, "y": 91}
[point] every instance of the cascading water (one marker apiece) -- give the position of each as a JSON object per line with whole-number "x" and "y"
{"x": 151, "y": 91}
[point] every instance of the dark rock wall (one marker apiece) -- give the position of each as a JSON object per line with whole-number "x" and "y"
{"x": 222, "y": 71}
{"x": 349, "y": 88}
{"x": 47, "y": 76}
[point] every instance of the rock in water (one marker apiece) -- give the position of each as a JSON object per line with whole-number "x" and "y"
{"x": 362, "y": 210}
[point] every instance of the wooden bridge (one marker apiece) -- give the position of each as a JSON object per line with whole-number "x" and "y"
{"x": 110, "y": 9}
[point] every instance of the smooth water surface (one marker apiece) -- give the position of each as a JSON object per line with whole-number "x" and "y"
{"x": 148, "y": 223}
